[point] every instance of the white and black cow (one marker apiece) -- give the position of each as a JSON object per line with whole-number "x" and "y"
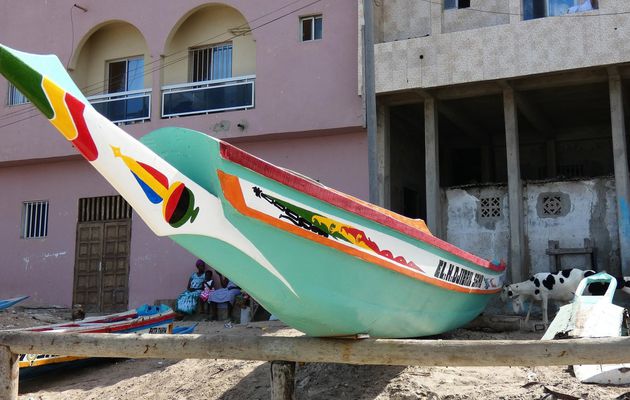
{"x": 560, "y": 287}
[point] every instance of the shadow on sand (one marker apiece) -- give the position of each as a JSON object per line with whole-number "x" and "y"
{"x": 320, "y": 381}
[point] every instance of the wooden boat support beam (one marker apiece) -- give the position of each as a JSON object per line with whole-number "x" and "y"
{"x": 307, "y": 349}
{"x": 9, "y": 374}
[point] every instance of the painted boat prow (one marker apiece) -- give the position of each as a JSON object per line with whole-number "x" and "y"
{"x": 323, "y": 262}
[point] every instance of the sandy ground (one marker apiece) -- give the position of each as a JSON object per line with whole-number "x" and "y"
{"x": 232, "y": 379}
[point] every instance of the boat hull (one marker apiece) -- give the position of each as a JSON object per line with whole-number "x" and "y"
{"x": 331, "y": 292}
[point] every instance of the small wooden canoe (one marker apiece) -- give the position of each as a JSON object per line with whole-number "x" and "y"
{"x": 144, "y": 319}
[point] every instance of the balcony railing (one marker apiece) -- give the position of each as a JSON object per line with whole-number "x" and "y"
{"x": 208, "y": 96}
{"x": 124, "y": 107}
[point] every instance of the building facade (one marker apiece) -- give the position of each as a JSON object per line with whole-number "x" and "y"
{"x": 503, "y": 124}
{"x": 276, "y": 78}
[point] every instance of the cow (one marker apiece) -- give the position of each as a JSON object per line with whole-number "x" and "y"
{"x": 560, "y": 287}
{"x": 545, "y": 286}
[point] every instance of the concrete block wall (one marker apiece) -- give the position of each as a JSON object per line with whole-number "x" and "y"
{"x": 588, "y": 211}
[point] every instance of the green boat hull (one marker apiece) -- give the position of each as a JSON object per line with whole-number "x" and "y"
{"x": 338, "y": 294}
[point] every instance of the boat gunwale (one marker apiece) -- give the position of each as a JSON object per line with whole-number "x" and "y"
{"x": 100, "y": 324}
{"x": 344, "y": 202}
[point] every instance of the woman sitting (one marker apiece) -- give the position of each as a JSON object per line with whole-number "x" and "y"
{"x": 187, "y": 301}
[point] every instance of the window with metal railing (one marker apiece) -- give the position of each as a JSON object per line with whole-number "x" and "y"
{"x": 34, "y": 219}
{"x": 126, "y": 99}
{"x": 208, "y": 96}
{"x": 15, "y": 97}
{"x": 210, "y": 63}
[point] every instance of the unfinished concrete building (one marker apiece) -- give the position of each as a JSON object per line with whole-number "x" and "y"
{"x": 502, "y": 123}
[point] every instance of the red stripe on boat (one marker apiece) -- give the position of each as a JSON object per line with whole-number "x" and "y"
{"x": 84, "y": 142}
{"x": 160, "y": 177}
{"x": 327, "y": 195}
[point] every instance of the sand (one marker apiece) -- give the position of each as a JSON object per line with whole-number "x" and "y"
{"x": 234, "y": 379}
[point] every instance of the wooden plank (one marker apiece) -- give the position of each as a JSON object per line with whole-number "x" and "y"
{"x": 308, "y": 349}
{"x": 282, "y": 380}
{"x": 9, "y": 374}
{"x": 563, "y": 251}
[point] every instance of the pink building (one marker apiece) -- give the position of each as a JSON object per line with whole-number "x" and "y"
{"x": 277, "y": 78}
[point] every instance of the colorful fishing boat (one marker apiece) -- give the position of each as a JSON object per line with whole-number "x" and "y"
{"x": 10, "y": 302}
{"x": 144, "y": 319}
{"x": 321, "y": 261}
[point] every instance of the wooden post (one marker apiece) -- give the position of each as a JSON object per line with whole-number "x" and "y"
{"x": 282, "y": 380}
{"x": 9, "y": 374}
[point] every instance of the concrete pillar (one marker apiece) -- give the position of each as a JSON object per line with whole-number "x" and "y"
{"x": 620, "y": 155}
{"x": 517, "y": 266}
{"x": 156, "y": 87}
{"x": 515, "y": 8}
{"x": 383, "y": 155}
{"x": 432, "y": 166}
{"x": 436, "y": 17}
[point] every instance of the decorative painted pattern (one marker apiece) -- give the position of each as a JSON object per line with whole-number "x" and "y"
{"x": 413, "y": 228}
{"x": 329, "y": 227}
{"x": 68, "y": 119}
{"x": 355, "y": 240}
{"x": 178, "y": 202}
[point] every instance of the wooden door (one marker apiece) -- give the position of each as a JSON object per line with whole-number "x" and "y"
{"x": 87, "y": 268}
{"x": 115, "y": 266}
{"x": 101, "y": 274}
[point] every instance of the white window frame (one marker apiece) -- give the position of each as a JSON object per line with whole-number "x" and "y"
{"x": 313, "y": 19}
{"x": 126, "y": 60}
{"x": 15, "y": 97}
{"x": 35, "y": 219}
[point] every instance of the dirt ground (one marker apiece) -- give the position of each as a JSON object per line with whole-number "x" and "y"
{"x": 232, "y": 379}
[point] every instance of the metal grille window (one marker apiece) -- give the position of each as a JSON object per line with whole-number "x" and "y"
{"x": 571, "y": 170}
{"x": 490, "y": 207}
{"x": 311, "y": 28}
{"x": 34, "y": 219}
{"x": 105, "y": 208}
{"x": 552, "y": 205}
{"x": 16, "y": 97}
{"x": 210, "y": 63}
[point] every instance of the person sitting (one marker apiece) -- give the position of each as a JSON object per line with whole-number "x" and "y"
{"x": 205, "y": 293}
{"x": 187, "y": 301}
{"x": 223, "y": 296}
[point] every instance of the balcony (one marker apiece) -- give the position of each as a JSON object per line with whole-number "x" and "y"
{"x": 124, "y": 107}
{"x": 208, "y": 96}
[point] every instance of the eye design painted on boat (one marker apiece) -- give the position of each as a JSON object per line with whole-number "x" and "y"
{"x": 178, "y": 201}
